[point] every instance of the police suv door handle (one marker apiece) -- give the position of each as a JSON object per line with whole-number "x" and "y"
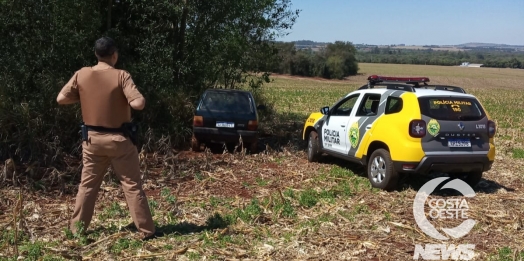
{"x": 343, "y": 126}
{"x": 368, "y": 127}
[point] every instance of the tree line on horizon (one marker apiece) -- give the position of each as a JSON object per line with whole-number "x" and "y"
{"x": 340, "y": 59}
{"x": 488, "y": 57}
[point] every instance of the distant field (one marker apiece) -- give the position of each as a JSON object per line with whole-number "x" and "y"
{"x": 500, "y": 90}
{"x": 420, "y": 47}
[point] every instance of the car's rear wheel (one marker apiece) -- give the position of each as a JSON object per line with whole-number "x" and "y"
{"x": 381, "y": 172}
{"x": 253, "y": 147}
{"x": 472, "y": 178}
{"x": 230, "y": 147}
{"x": 313, "y": 148}
{"x": 195, "y": 144}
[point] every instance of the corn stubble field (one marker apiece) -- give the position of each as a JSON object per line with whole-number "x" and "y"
{"x": 274, "y": 205}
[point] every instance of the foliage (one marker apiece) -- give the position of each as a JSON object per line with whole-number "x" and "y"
{"x": 335, "y": 61}
{"x": 43, "y": 44}
{"x": 174, "y": 50}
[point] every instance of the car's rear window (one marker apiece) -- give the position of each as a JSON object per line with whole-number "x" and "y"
{"x": 230, "y": 102}
{"x": 451, "y": 108}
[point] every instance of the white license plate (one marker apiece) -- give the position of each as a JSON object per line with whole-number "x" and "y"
{"x": 459, "y": 143}
{"x": 222, "y": 124}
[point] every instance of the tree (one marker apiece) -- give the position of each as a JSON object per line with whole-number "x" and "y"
{"x": 42, "y": 44}
{"x": 345, "y": 53}
{"x": 514, "y": 63}
{"x": 174, "y": 50}
{"x": 285, "y": 53}
{"x": 335, "y": 65}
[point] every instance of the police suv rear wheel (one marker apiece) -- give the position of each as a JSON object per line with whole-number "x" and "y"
{"x": 313, "y": 148}
{"x": 381, "y": 172}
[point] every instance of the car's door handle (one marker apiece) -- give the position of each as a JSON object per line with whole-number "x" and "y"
{"x": 343, "y": 126}
{"x": 368, "y": 126}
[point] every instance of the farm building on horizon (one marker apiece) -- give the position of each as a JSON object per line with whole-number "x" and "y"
{"x": 467, "y": 64}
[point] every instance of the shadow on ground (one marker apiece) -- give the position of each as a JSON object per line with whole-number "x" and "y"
{"x": 416, "y": 181}
{"x": 284, "y": 130}
{"x": 279, "y": 131}
{"x": 183, "y": 228}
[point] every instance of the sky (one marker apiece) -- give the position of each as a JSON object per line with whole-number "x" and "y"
{"x": 410, "y": 22}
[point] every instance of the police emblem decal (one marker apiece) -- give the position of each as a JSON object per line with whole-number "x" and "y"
{"x": 354, "y": 134}
{"x": 433, "y": 127}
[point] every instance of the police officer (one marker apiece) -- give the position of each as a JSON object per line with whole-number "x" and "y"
{"x": 106, "y": 96}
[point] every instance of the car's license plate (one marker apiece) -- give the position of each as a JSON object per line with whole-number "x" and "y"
{"x": 223, "y": 124}
{"x": 459, "y": 143}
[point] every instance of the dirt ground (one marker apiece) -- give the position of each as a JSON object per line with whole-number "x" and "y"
{"x": 366, "y": 224}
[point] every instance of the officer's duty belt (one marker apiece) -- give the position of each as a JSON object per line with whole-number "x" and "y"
{"x": 104, "y": 129}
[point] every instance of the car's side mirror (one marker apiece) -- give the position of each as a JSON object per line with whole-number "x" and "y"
{"x": 261, "y": 107}
{"x": 325, "y": 110}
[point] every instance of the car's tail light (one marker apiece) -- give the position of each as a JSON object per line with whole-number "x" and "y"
{"x": 417, "y": 128}
{"x": 252, "y": 125}
{"x": 492, "y": 128}
{"x": 198, "y": 121}
{"x": 408, "y": 166}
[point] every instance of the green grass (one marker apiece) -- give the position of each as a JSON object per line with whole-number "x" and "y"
{"x": 262, "y": 182}
{"x": 507, "y": 254}
{"x": 308, "y": 198}
{"x": 249, "y": 213}
{"x": 114, "y": 211}
{"x": 518, "y": 153}
{"x": 339, "y": 172}
{"x": 33, "y": 251}
{"x": 124, "y": 244}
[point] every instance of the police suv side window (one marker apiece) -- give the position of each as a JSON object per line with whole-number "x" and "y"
{"x": 369, "y": 105}
{"x": 345, "y": 108}
{"x": 393, "y": 105}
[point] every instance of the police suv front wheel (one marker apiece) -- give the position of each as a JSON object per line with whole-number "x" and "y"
{"x": 381, "y": 172}
{"x": 313, "y": 148}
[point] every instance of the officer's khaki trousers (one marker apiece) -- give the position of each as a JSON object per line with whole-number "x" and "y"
{"x": 99, "y": 151}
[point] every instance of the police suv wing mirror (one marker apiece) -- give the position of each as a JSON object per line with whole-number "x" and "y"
{"x": 325, "y": 110}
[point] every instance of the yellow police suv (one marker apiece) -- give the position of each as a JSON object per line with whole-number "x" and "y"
{"x": 396, "y": 125}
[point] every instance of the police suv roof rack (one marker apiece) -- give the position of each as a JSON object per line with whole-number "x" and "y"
{"x": 373, "y": 79}
{"x": 445, "y": 88}
{"x": 391, "y": 86}
{"x": 395, "y": 83}
{"x": 406, "y": 84}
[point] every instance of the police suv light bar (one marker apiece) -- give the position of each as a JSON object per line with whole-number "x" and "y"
{"x": 378, "y": 78}
{"x": 401, "y": 82}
